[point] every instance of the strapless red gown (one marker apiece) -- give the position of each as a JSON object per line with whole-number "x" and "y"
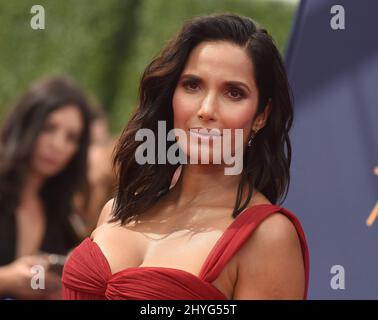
{"x": 87, "y": 274}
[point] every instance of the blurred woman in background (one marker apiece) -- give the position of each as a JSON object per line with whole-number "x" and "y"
{"x": 101, "y": 176}
{"x": 43, "y": 164}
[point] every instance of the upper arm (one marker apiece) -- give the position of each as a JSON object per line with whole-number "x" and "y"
{"x": 270, "y": 264}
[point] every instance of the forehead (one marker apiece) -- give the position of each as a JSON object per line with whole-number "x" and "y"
{"x": 68, "y": 115}
{"x": 220, "y": 59}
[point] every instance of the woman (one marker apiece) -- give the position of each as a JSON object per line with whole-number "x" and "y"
{"x": 43, "y": 154}
{"x": 211, "y": 235}
{"x": 101, "y": 177}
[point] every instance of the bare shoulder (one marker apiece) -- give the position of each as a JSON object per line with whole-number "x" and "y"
{"x": 275, "y": 234}
{"x": 106, "y": 211}
{"x": 270, "y": 264}
{"x": 120, "y": 245}
{"x": 104, "y": 218}
{"x": 277, "y": 229}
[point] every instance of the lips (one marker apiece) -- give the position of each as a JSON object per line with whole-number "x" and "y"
{"x": 206, "y": 132}
{"x": 50, "y": 161}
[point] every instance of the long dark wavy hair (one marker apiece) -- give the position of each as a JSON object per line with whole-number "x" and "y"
{"x": 18, "y": 136}
{"x": 266, "y": 166}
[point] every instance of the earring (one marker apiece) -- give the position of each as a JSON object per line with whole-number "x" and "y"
{"x": 254, "y": 132}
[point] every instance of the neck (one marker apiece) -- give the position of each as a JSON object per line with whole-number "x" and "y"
{"x": 32, "y": 185}
{"x": 204, "y": 185}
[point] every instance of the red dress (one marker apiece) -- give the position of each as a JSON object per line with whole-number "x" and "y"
{"x": 87, "y": 274}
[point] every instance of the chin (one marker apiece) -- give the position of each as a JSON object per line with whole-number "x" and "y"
{"x": 49, "y": 172}
{"x": 201, "y": 153}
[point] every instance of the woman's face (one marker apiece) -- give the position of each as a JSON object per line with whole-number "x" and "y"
{"x": 217, "y": 90}
{"x": 58, "y": 141}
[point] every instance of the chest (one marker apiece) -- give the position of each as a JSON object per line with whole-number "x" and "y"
{"x": 185, "y": 250}
{"x": 30, "y": 228}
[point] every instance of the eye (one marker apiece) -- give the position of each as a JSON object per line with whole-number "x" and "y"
{"x": 190, "y": 85}
{"x": 48, "y": 127}
{"x": 73, "y": 137}
{"x": 236, "y": 93}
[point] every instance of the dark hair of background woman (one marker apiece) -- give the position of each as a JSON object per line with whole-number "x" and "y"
{"x": 266, "y": 164}
{"x": 17, "y": 139}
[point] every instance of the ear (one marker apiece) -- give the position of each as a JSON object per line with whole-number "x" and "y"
{"x": 262, "y": 118}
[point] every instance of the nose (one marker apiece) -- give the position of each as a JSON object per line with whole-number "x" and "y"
{"x": 58, "y": 141}
{"x": 208, "y": 109}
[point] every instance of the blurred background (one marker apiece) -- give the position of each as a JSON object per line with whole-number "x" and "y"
{"x": 105, "y": 45}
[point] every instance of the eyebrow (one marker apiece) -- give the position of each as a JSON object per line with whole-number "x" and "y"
{"x": 53, "y": 122}
{"x": 230, "y": 83}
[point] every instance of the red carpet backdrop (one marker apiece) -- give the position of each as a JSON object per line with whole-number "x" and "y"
{"x": 332, "y": 59}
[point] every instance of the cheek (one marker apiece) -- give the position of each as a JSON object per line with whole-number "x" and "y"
{"x": 40, "y": 144}
{"x": 71, "y": 150}
{"x": 238, "y": 116}
{"x": 184, "y": 108}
